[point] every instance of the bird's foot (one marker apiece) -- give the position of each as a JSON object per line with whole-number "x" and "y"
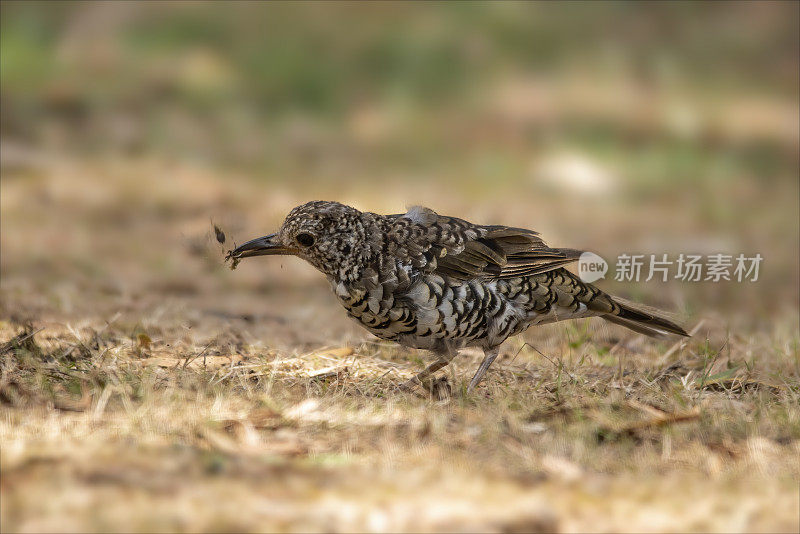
{"x": 409, "y": 385}
{"x": 437, "y": 388}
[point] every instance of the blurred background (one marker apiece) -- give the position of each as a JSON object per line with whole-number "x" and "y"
{"x": 128, "y": 130}
{"x": 614, "y": 127}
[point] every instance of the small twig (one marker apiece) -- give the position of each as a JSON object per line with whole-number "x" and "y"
{"x": 17, "y": 341}
{"x": 707, "y": 368}
{"x": 220, "y": 379}
{"x": 661, "y": 420}
{"x": 375, "y": 380}
{"x": 681, "y": 342}
{"x": 202, "y": 353}
{"x": 652, "y": 410}
{"x": 560, "y": 365}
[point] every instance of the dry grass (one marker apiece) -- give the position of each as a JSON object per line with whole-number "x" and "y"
{"x": 113, "y": 431}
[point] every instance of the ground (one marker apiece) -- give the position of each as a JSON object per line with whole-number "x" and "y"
{"x": 147, "y": 387}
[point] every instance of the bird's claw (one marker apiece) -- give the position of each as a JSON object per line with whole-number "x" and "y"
{"x": 438, "y": 389}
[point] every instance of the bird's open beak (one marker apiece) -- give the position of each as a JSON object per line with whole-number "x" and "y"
{"x": 262, "y": 246}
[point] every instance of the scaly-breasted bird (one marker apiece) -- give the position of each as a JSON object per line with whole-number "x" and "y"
{"x": 440, "y": 283}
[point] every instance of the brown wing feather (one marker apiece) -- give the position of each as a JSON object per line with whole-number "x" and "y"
{"x": 465, "y": 250}
{"x": 516, "y": 261}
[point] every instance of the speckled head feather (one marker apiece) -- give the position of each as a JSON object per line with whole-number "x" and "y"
{"x": 330, "y": 236}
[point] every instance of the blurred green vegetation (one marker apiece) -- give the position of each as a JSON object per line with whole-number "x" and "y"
{"x": 227, "y": 81}
{"x": 319, "y": 55}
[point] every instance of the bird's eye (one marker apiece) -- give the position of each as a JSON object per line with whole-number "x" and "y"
{"x": 305, "y": 239}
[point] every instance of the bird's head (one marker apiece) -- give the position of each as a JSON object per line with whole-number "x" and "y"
{"x": 332, "y": 237}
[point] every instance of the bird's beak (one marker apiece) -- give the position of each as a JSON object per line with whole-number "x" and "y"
{"x": 262, "y": 246}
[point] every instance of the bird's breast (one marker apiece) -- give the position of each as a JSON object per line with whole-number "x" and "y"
{"x": 429, "y": 310}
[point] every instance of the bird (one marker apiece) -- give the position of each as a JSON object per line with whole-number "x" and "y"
{"x": 441, "y": 283}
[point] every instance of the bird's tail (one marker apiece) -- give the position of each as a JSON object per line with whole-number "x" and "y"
{"x": 638, "y": 317}
{"x": 585, "y": 299}
{"x": 643, "y": 319}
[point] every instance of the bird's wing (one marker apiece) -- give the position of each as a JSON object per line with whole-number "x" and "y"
{"x": 462, "y": 250}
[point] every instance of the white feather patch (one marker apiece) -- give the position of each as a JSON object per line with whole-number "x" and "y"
{"x": 421, "y": 215}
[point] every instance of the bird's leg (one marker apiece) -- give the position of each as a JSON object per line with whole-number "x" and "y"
{"x": 425, "y": 373}
{"x": 488, "y": 357}
{"x": 442, "y": 359}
